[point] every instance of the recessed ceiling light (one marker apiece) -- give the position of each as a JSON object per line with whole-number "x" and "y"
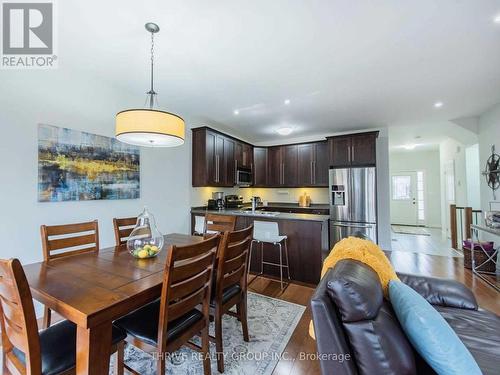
{"x": 438, "y": 104}
{"x": 284, "y": 131}
{"x": 287, "y": 101}
{"x": 236, "y": 112}
{"x": 409, "y": 147}
{"x": 497, "y": 19}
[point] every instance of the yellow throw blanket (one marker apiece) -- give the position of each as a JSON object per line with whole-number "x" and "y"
{"x": 364, "y": 251}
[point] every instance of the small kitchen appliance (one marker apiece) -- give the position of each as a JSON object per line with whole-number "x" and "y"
{"x": 218, "y": 196}
{"x": 234, "y": 201}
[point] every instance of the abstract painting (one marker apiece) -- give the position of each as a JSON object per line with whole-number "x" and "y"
{"x": 79, "y": 166}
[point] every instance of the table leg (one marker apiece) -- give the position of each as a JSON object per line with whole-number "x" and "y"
{"x": 93, "y": 346}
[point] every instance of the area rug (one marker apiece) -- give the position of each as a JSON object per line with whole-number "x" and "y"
{"x": 419, "y": 231}
{"x": 271, "y": 323}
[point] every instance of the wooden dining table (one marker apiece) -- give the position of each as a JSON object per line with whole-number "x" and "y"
{"x": 94, "y": 289}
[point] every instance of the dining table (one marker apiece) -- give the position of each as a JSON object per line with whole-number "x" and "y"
{"x": 94, "y": 289}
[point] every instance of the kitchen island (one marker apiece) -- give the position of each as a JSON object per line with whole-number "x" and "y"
{"x": 307, "y": 240}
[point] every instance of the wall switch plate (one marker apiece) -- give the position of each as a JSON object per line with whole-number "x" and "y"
{"x": 283, "y": 192}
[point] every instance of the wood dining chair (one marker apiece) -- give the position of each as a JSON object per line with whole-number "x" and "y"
{"x": 24, "y": 349}
{"x": 230, "y": 287}
{"x": 219, "y": 223}
{"x": 65, "y": 240}
{"x": 123, "y": 228}
{"x": 182, "y": 311}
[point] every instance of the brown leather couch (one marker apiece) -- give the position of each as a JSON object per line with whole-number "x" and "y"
{"x": 357, "y": 331}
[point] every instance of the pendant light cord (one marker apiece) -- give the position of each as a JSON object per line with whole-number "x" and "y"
{"x": 152, "y": 92}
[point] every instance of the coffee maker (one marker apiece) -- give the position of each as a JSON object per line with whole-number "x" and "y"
{"x": 217, "y": 201}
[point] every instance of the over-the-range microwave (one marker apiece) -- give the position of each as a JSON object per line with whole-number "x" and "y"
{"x": 243, "y": 176}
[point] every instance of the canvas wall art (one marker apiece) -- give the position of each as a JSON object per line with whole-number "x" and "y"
{"x": 79, "y": 166}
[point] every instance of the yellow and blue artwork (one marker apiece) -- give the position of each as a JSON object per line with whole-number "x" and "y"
{"x": 79, "y": 166}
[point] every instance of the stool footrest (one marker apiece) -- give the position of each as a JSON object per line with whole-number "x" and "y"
{"x": 275, "y": 264}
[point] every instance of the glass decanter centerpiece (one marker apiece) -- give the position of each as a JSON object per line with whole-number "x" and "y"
{"x": 145, "y": 241}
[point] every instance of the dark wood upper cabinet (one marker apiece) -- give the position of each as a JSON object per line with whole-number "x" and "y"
{"x": 290, "y": 163}
{"x": 274, "y": 166}
{"x": 216, "y": 158}
{"x": 260, "y": 166}
{"x": 321, "y": 164}
{"x": 353, "y": 150}
{"x": 363, "y": 149}
{"x": 229, "y": 163}
{"x": 305, "y": 166}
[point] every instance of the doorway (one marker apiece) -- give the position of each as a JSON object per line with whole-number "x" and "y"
{"x": 408, "y": 198}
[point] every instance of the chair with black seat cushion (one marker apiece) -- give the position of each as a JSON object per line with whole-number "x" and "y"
{"x": 182, "y": 312}
{"x": 230, "y": 287}
{"x": 25, "y": 350}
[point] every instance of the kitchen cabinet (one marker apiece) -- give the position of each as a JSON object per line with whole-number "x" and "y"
{"x": 312, "y": 167}
{"x": 260, "y": 166}
{"x": 353, "y": 150}
{"x": 244, "y": 155}
{"x": 282, "y": 166}
{"x": 213, "y": 161}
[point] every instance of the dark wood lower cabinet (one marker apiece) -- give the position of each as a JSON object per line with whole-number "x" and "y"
{"x": 307, "y": 247}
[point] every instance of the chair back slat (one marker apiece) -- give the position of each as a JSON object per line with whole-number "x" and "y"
{"x": 17, "y": 320}
{"x": 123, "y": 227}
{"x": 58, "y": 247}
{"x": 186, "y": 282}
{"x": 184, "y": 305}
{"x": 219, "y": 223}
{"x": 233, "y": 260}
{"x": 191, "y": 268}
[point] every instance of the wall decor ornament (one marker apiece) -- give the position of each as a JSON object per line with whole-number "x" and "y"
{"x": 79, "y": 166}
{"x": 492, "y": 171}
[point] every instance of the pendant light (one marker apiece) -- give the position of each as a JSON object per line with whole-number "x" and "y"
{"x": 150, "y": 127}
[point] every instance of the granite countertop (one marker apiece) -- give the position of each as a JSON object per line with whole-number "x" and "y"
{"x": 264, "y": 214}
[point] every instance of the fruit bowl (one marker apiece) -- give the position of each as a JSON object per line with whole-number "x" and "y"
{"x": 147, "y": 251}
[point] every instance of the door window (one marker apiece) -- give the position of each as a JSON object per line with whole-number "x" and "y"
{"x": 401, "y": 188}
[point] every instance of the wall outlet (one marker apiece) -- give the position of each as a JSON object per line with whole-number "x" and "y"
{"x": 283, "y": 192}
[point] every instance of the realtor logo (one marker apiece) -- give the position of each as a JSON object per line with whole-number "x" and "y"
{"x": 28, "y": 35}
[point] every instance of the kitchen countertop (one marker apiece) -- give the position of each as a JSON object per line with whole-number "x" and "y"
{"x": 278, "y": 216}
{"x": 313, "y": 206}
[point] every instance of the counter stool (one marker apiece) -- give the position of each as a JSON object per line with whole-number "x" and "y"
{"x": 268, "y": 232}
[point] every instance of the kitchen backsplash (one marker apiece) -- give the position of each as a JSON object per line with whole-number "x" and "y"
{"x": 200, "y": 196}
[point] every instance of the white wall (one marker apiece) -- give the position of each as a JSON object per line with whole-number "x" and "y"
{"x": 473, "y": 175}
{"x": 427, "y": 161}
{"x": 28, "y": 98}
{"x": 449, "y": 150}
{"x": 489, "y": 134}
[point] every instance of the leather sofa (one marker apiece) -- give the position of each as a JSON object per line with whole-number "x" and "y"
{"x": 357, "y": 331}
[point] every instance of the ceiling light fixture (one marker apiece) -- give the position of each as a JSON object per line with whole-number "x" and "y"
{"x": 409, "y": 147}
{"x": 236, "y": 112}
{"x": 497, "y": 19}
{"x": 148, "y": 126}
{"x": 284, "y": 131}
{"x": 438, "y": 104}
{"x": 287, "y": 101}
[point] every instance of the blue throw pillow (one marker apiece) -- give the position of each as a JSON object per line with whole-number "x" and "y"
{"x": 430, "y": 334}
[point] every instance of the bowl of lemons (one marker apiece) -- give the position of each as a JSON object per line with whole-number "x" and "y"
{"x": 146, "y": 251}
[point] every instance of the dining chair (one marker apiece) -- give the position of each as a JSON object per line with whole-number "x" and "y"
{"x": 268, "y": 232}
{"x": 123, "y": 227}
{"x": 183, "y": 310}
{"x": 65, "y": 240}
{"x": 219, "y": 223}
{"x": 230, "y": 287}
{"x": 25, "y": 350}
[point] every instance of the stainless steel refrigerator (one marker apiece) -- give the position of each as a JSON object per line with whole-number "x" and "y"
{"x": 353, "y": 203}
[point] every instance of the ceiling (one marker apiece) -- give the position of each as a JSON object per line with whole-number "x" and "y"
{"x": 342, "y": 64}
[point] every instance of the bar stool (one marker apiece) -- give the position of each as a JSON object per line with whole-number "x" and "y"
{"x": 268, "y": 232}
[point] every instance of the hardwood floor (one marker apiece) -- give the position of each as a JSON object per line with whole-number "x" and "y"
{"x": 301, "y": 343}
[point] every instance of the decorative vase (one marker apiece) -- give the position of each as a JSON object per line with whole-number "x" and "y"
{"x": 145, "y": 241}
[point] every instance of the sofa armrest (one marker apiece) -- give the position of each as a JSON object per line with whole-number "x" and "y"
{"x": 333, "y": 349}
{"x": 441, "y": 292}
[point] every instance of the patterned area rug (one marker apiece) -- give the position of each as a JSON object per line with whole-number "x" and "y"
{"x": 419, "y": 231}
{"x": 271, "y": 323}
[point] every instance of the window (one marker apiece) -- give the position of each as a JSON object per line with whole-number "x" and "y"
{"x": 420, "y": 196}
{"x": 401, "y": 188}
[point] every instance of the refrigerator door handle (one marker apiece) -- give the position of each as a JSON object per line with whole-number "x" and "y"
{"x": 353, "y": 225}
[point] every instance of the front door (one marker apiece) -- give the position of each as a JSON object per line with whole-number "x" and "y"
{"x": 404, "y": 198}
